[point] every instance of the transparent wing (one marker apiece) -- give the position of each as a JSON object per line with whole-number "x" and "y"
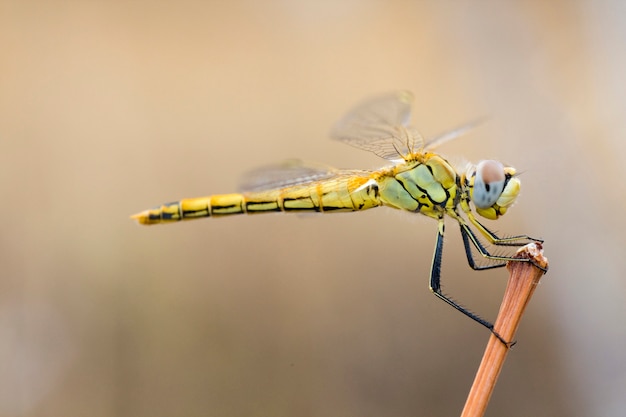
{"x": 453, "y": 134}
{"x": 380, "y": 125}
{"x": 287, "y": 174}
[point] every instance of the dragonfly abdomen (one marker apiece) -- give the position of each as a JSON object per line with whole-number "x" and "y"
{"x": 346, "y": 193}
{"x": 193, "y": 208}
{"x": 351, "y": 193}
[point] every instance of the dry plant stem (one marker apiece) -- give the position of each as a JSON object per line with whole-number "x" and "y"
{"x": 524, "y": 277}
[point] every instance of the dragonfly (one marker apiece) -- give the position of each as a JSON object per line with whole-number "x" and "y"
{"x": 418, "y": 181}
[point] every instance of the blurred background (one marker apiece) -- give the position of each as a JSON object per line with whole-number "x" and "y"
{"x": 108, "y": 108}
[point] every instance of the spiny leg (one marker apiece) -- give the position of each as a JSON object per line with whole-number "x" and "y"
{"x": 467, "y": 243}
{"x": 435, "y": 285}
{"x": 470, "y": 236}
{"x": 519, "y": 240}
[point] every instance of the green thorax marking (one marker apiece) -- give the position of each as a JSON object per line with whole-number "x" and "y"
{"x": 425, "y": 183}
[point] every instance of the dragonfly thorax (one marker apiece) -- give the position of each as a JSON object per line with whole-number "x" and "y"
{"x": 493, "y": 188}
{"x": 425, "y": 183}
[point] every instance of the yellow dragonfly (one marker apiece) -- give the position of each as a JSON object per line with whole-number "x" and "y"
{"x": 419, "y": 181}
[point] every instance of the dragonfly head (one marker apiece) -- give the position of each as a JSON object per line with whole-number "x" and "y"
{"x": 493, "y": 188}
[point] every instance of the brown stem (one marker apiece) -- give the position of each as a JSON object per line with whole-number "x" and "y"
{"x": 524, "y": 277}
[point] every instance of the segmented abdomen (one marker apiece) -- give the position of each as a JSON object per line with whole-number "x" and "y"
{"x": 345, "y": 193}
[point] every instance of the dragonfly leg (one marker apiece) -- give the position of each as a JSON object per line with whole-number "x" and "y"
{"x": 467, "y": 243}
{"x": 435, "y": 285}
{"x": 469, "y": 237}
{"x": 519, "y": 240}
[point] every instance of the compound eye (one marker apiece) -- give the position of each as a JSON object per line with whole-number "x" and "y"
{"x": 488, "y": 183}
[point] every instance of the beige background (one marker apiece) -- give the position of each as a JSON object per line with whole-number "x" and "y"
{"x": 108, "y": 108}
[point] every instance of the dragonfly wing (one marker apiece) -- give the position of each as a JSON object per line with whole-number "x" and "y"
{"x": 453, "y": 134}
{"x": 288, "y": 174}
{"x": 379, "y": 125}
